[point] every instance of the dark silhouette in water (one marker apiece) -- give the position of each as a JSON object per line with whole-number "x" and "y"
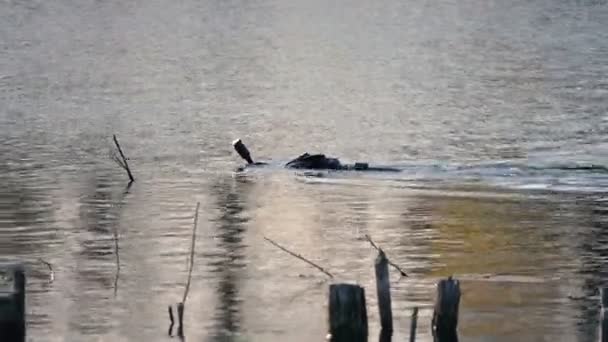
{"x": 310, "y": 161}
{"x": 229, "y": 264}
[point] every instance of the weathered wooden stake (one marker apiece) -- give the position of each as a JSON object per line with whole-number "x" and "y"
{"x": 604, "y": 315}
{"x": 445, "y": 316}
{"x": 123, "y": 163}
{"x": 383, "y": 290}
{"x": 413, "y": 325}
{"x": 385, "y": 336}
{"x": 180, "y": 319}
{"x": 347, "y": 313}
{"x": 12, "y": 306}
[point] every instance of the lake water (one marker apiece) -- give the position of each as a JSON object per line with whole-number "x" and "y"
{"x": 495, "y": 111}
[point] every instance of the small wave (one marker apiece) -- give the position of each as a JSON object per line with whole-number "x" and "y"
{"x": 572, "y": 167}
{"x": 506, "y": 175}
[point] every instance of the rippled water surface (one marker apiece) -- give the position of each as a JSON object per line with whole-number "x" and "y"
{"x": 495, "y": 112}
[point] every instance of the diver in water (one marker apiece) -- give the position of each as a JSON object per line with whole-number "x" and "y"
{"x": 310, "y": 161}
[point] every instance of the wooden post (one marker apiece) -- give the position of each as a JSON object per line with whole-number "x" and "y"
{"x": 19, "y": 288}
{"x": 12, "y": 306}
{"x": 347, "y": 313}
{"x": 385, "y": 336}
{"x": 383, "y": 289}
{"x": 180, "y": 319}
{"x": 445, "y": 316}
{"x": 604, "y": 315}
{"x": 413, "y": 325}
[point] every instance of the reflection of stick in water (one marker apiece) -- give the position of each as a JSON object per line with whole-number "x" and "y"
{"x": 170, "y": 333}
{"x": 48, "y": 264}
{"x": 116, "y": 238}
{"x": 117, "y": 260}
{"x": 368, "y": 238}
{"x": 122, "y": 161}
{"x": 299, "y": 257}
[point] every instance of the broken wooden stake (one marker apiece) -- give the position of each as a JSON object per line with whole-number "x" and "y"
{"x": 413, "y": 325}
{"x": 123, "y": 161}
{"x": 180, "y": 319}
{"x": 385, "y": 336}
{"x": 604, "y": 315}
{"x": 383, "y": 290}
{"x": 445, "y": 316}
{"x": 12, "y": 304}
{"x": 347, "y": 313}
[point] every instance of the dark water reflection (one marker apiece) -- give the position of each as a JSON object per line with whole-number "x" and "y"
{"x": 534, "y": 258}
{"x": 229, "y": 261}
{"x": 593, "y": 271}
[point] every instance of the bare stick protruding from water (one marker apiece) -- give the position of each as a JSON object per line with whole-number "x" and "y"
{"x": 122, "y": 162}
{"x": 48, "y": 264}
{"x": 192, "y": 246}
{"x": 181, "y": 305}
{"x": 299, "y": 257}
{"x": 401, "y": 272}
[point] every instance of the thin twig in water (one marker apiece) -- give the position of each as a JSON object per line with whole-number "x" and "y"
{"x": 124, "y": 163}
{"x": 369, "y": 239}
{"x": 198, "y": 204}
{"x": 48, "y": 264}
{"x": 117, "y": 160}
{"x": 299, "y": 257}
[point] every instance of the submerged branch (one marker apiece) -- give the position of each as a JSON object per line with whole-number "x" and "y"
{"x": 299, "y": 257}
